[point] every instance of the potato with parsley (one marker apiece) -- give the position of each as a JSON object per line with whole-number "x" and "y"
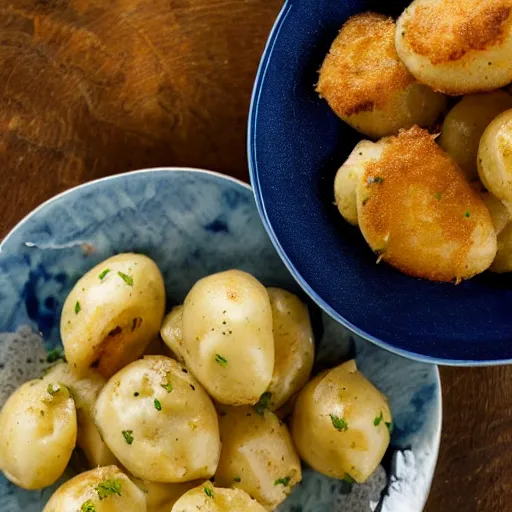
{"x": 227, "y": 333}
{"x": 258, "y": 455}
{"x": 39, "y": 428}
{"x": 104, "y": 489}
{"x": 159, "y": 422}
{"x": 294, "y": 347}
{"x": 208, "y": 498}
{"x": 341, "y": 422}
{"x": 112, "y": 313}
{"x": 161, "y": 497}
{"x": 172, "y": 332}
{"x": 85, "y": 390}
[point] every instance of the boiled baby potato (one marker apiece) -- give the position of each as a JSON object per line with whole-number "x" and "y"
{"x": 104, "y": 489}
{"x": 294, "y": 347}
{"x": 366, "y": 84}
{"x": 208, "y": 498}
{"x": 465, "y": 123}
{"x": 495, "y": 158}
{"x": 257, "y": 455}
{"x": 112, "y": 313}
{"x": 348, "y": 176}
{"x": 159, "y": 422}
{"x": 341, "y": 424}
{"x": 457, "y": 46}
{"x": 227, "y": 333}
{"x": 418, "y": 212}
{"x": 85, "y": 390}
{"x": 38, "y": 426}
{"x": 500, "y": 214}
{"x": 161, "y": 497}
{"x": 503, "y": 261}
{"x": 172, "y": 332}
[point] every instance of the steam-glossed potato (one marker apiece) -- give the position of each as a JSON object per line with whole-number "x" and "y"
{"x": 172, "y": 332}
{"x": 112, "y": 313}
{"x": 341, "y": 424}
{"x": 104, "y": 489}
{"x": 294, "y": 346}
{"x": 159, "y": 422}
{"x": 38, "y": 433}
{"x": 258, "y": 455}
{"x": 366, "y": 84}
{"x": 457, "y": 46}
{"x": 227, "y": 333}
{"x": 418, "y": 212}
{"x": 208, "y": 498}
{"x": 161, "y": 497}
{"x": 465, "y": 123}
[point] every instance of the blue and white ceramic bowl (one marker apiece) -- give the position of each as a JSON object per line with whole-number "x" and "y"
{"x": 193, "y": 223}
{"x": 296, "y": 144}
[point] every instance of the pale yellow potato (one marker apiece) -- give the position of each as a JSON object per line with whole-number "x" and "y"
{"x": 500, "y": 214}
{"x": 38, "y": 433}
{"x": 258, "y": 455}
{"x": 349, "y": 175}
{"x": 495, "y": 158}
{"x": 161, "y": 497}
{"x": 208, "y": 498}
{"x": 85, "y": 389}
{"x": 227, "y": 333}
{"x": 112, "y": 313}
{"x": 159, "y": 422}
{"x": 366, "y": 84}
{"x": 465, "y": 123}
{"x": 503, "y": 261}
{"x": 294, "y": 346}
{"x": 419, "y": 213}
{"x": 104, "y": 489}
{"x": 340, "y": 424}
{"x": 172, "y": 332}
{"x": 457, "y": 46}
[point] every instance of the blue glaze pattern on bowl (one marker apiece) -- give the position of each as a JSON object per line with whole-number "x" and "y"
{"x": 295, "y": 146}
{"x": 194, "y": 223}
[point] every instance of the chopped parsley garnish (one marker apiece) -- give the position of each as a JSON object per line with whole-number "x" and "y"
{"x": 136, "y": 393}
{"x": 54, "y": 355}
{"x": 104, "y": 273}
{"x": 208, "y": 492}
{"x": 438, "y": 196}
{"x": 283, "y": 481}
{"x": 263, "y": 403}
{"x": 88, "y": 506}
{"x": 126, "y": 278}
{"x": 128, "y": 436}
{"x": 52, "y": 390}
{"x": 237, "y": 479}
{"x": 167, "y": 387}
{"x": 78, "y": 308}
{"x": 108, "y": 488}
{"x": 221, "y": 360}
{"x": 349, "y": 479}
{"x": 339, "y": 423}
{"x": 390, "y": 426}
{"x": 158, "y": 405}
{"x": 467, "y": 215}
{"x": 378, "y": 420}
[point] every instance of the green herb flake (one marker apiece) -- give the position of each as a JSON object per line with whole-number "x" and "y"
{"x": 263, "y": 403}
{"x": 108, "y": 488}
{"x": 347, "y": 478}
{"x": 167, "y": 387}
{"x": 390, "y": 426}
{"x": 378, "y": 420}
{"x": 283, "y": 481}
{"x": 128, "y": 436}
{"x": 438, "y": 196}
{"x": 88, "y": 506}
{"x": 221, "y": 360}
{"x": 467, "y": 215}
{"x": 78, "y": 308}
{"x": 52, "y": 390}
{"x": 126, "y": 278}
{"x": 237, "y": 479}
{"x": 377, "y": 179}
{"x": 208, "y": 492}
{"x": 103, "y": 274}
{"x": 339, "y": 423}
{"x": 54, "y": 355}
{"x": 158, "y": 405}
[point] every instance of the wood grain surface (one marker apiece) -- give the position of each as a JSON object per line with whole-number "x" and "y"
{"x": 91, "y": 88}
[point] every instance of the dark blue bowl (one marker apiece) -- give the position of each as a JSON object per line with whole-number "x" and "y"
{"x": 296, "y": 145}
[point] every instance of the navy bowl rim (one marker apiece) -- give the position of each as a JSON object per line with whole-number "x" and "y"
{"x": 260, "y": 204}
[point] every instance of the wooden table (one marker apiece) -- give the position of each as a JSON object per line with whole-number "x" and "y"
{"x": 93, "y": 87}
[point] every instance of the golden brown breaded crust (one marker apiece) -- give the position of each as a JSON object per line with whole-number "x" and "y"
{"x": 456, "y": 27}
{"x": 419, "y": 201}
{"x": 362, "y": 69}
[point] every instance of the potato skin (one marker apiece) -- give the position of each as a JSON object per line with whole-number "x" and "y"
{"x": 112, "y": 313}
{"x": 339, "y": 424}
{"x": 228, "y": 341}
{"x": 161, "y": 497}
{"x": 107, "y": 489}
{"x": 208, "y": 498}
{"x": 294, "y": 346}
{"x": 500, "y": 214}
{"x": 457, "y": 46}
{"x": 503, "y": 261}
{"x": 159, "y": 422}
{"x": 39, "y": 428}
{"x": 257, "y": 449}
{"x": 366, "y": 84}
{"x": 172, "y": 332}
{"x": 466, "y": 122}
